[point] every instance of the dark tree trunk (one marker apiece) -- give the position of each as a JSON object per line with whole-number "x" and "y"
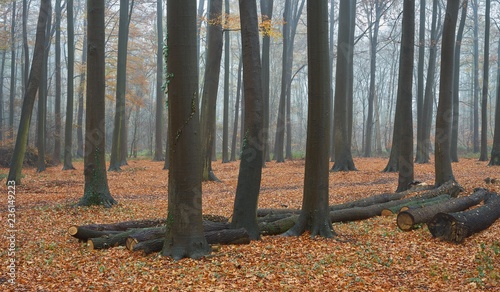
{"x": 29, "y": 98}
{"x": 56, "y": 156}
{"x": 119, "y": 142}
{"x": 424, "y": 141}
{"x": 13, "y": 73}
{"x": 68, "y": 127}
{"x": 96, "y": 190}
{"x": 455, "y": 227}
{"x": 267, "y": 14}
{"x": 343, "y": 93}
{"x": 475, "y": 134}
{"x": 405, "y": 90}
{"x": 314, "y": 214}
{"x": 420, "y": 78}
{"x": 160, "y": 94}
{"x": 210, "y": 88}
{"x": 225, "y": 122}
{"x": 456, "y": 85}
{"x": 249, "y": 177}
{"x": 79, "y": 117}
{"x": 484, "y": 102}
{"x": 184, "y": 237}
{"x": 443, "y": 169}
{"x": 410, "y": 218}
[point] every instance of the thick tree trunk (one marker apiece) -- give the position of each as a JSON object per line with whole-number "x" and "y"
{"x": 455, "y": 227}
{"x": 408, "y": 219}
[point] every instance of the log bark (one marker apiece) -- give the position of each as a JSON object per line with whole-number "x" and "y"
{"x": 415, "y": 204}
{"x": 84, "y": 234}
{"x": 125, "y": 225}
{"x": 224, "y": 236}
{"x": 408, "y": 220}
{"x": 455, "y": 227}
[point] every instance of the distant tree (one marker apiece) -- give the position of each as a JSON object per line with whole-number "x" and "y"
{"x": 26, "y": 56}
{"x": 250, "y": 173}
{"x": 405, "y": 86}
{"x": 456, "y": 87}
{"x": 484, "y": 101}
{"x": 475, "y": 54}
{"x": 56, "y": 155}
{"x": 236, "y": 112}
{"x": 119, "y": 143}
{"x": 443, "y": 169}
{"x": 68, "y": 127}
{"x": 225, "y": 118}
{"x": 314, "y": 215}
{"x": 495, "y": 150}
{"x": 81, "y": 87}
{"x": 160, "y": 94}
{"x": 343, "y": 88}
{"x": 210, "y": 87}
{"x": 185, "y": 236}
{"x": 420, "y": 76}
{"x": 13, "y": 72}
{"x": 424, "y": 141}
{"x": 266, "y": 9}
{"x": 96, "y": 190}
{"x": 2, "y": 68}
{"x": 29, "y": 98}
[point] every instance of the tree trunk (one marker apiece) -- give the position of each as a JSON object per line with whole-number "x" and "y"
{"x": 236, "y": 112}
{"x": 475, "y": 108}
{"x": 495, "y": 149}
{"x": 96, "y": 190}
{"x": 455, "y": 227}
{"x": 408, "y": 219}
{"x": 13, "y": 73}
{"x": 68, "y": 127}
{"x": 210, "y": 89}
{"x": 118, "y": 143}
{"x": 405, "y": 86}
{"x": 314, "y": 214}
{"x": 29, "y": 98}
{"x": 184, "y": 237}
{"x": 443, "y": 169}
{"x": 416, "y": 204}
{"x": 456, "y": 85}
{"x": 420, "y": 77}
{"x": 225, "y": 118}
{"x": 56, "y": 156}
{"x": 81, "y": 87}
{"x": 484, "y": 102}
{"x": 160, "y": 92}
{"x": 249, "y": 177}
{"x": 267, "y": 14}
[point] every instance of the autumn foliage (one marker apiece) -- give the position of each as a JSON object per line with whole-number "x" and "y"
{"x": 367, "y": 255}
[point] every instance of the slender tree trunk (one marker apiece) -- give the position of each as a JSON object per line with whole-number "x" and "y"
{"x": 331, "y": 48}
{"x": 26, "y": 68}
{"x": 267, "y": 14}
{"x": 68, "y": 127}
{"x": 484, "y": 101}
{"x": 443, "y": 169}
{"x": 236, "y": 112}
{"x": 81, "y": 87}
{"x": 420, "y": 80}
{"x": 210, "y": 88}
{"x": 29, "y": 98}
{"x": 56, "y": 156}
{"x": 456, "y": 85}
{"x": 314, "y": 215}
{"x": 475, "y": 137}
{"x": 249, "y": 177}
{"x": 405, "y": 86}
{"x": 96, "y": 190}
{"x": 160, "y": 94}
{"x": 119, "y": 143}
{"x": 12, "y": 73}
{"x": 2, "y": 68}
{"x": 225, "y": 122}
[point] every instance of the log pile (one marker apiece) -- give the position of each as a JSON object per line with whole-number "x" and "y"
{"x": 436, "y": 207}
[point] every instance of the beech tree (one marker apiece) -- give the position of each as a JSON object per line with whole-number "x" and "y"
{"x": 314, "y": 215}
{"x": 484, "y": 99}
{"x": 68, "y": 127}
{"x": 160, "y": 94}
{"x": 31, "y": 91}
{"x": 96, "y": 190}
{"x": 185, "y": 236}
{"x": 443, "y": 169}
{"x": 250, "y": 173}
{"x": 495, "y": 149}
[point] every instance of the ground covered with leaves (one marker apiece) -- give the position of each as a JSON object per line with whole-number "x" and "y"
{"x": 368, "y": 255}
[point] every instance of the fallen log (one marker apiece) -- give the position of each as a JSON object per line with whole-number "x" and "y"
{"x": 415, "y": 204}
{"x": 225, "y": 236}
{"x": 82, "y": 233}
{"x": 455, "y": 227}
{"x": 125, "y": 225}
{"x": 408, "y": 219}
{"x": 105, "y": 242}
{"x": 144, "y": 235}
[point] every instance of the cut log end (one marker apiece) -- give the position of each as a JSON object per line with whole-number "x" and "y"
{"x": 73, "y": 230}
{"x": 90, "y": 244}
{"x": 386, "y": 213}
{"x": 130, "y": 243}
{"x": 405, "y": 221}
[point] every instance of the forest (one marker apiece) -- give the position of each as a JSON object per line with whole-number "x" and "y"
{"x": 229, "y": 145}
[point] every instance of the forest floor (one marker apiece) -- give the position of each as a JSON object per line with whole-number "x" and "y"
{"x": 368, "y": 255}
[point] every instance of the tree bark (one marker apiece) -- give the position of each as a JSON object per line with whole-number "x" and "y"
{"x": 455, "y": 227}
{"x": 70, "y": 94}
{"x": 267, "y": 14}
{"x": 486, "y": 73}
{"x": 415, "y": 204}
{"x": 408, "y": 219}
{"x": 160, "y": 92}
{"x": 495, "y": 149}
